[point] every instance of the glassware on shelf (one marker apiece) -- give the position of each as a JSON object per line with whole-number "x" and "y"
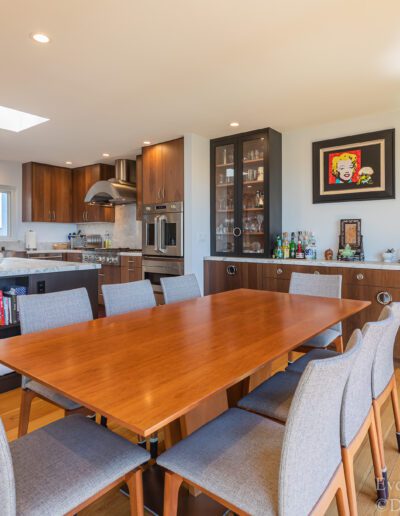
{"x": 260, "y": 221}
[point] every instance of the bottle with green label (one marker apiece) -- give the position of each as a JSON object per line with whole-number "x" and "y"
{"x": 292, "y": 246}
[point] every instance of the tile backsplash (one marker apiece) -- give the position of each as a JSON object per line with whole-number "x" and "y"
{"x": 125, "y": 232}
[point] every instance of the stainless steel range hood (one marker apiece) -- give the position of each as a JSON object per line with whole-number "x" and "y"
{"x": 117, "y": 191}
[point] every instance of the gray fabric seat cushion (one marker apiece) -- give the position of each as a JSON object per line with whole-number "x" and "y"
{"x": 273, "y": 397}
{"x": 324, "y": 339}
{"x": 315, "y": 354}
{"x": 236, "y": 457}
{"x": 63, "y": 464}
{"x": 51, "y": 395}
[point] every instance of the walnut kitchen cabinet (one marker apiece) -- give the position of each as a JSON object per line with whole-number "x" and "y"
{"x": 139, "y": 187}
{"x": 131, "y": 268}
{"x": 108, "y": 275}
{"x": 47, "y": 193}
{"x": 163, "y": 172}
{"x": 82, "y": 179}
{"x": 380, "y": 286}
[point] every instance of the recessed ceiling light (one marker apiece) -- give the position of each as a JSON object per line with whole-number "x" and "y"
{"x": 40, "y": 37}
{"x": 68, "y": 162}
{"x": 146, "y": 143}
{"x": 106, "y": 155}
{"x": 16, "y": 121}
{"x": 234, "y": 124}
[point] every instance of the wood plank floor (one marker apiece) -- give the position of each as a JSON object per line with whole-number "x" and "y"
{"x": 116, "y": 504}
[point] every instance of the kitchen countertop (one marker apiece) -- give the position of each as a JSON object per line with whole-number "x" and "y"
{"x": 10, "y": 267}
{"x": 60, "y": 251}
{"x": 393, "y": 266}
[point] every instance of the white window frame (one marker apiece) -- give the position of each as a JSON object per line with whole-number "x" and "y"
{"x": 11, "y": 211}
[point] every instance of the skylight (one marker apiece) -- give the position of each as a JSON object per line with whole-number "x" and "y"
{"x": 16, "y": 121}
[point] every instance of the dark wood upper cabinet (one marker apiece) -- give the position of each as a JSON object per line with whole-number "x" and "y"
{"x": 82, "y": 179}
{"x": 163, "y": 172}
{"x": 246, "y": 193}
{"x": 139, "y": 187}
{"x": 47, "y": 193}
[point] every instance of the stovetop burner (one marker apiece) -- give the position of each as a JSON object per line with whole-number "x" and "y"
{"x": 106, "y": 256}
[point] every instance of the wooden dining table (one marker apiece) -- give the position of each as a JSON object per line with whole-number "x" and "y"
{"x": 149, "y": 368}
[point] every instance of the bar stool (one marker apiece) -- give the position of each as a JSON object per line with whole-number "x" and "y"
{"x": 39, "y": 312}
{"x": 256, "y": 466}
{"x": 180, "y": 288}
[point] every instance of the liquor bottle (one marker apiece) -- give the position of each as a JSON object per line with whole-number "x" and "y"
{"x": 314, "y": 245}
{"x": 285, "y": 246}
{"x": 299, "y": 252}
{"x": 292, "y": 247}
{"x": 279, "y": 251}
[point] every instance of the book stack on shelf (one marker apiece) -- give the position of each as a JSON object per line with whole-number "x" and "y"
{"x": 9, "y": 305}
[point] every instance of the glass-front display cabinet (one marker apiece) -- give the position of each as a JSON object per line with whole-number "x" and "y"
{"x": 246, "y": 193}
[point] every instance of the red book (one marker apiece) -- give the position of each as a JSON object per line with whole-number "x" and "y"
{"x": 2, "y": 319}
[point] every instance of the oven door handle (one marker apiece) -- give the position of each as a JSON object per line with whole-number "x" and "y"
{"x": 161, "y": 235}
{"x": 156, "y": 233}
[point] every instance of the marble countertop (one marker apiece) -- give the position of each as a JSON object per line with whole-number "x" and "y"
{"x": 58, "y": 251}
{"x": 10, "y": 267}
{"x": 394, "y": 266}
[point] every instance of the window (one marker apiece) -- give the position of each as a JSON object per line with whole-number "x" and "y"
{"x": 6, "y": 206}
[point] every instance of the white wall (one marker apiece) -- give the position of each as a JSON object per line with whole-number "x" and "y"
{"x": 197, "y": 203}
{"x": 11, "y": 175}
{"x": 379, "y": 218}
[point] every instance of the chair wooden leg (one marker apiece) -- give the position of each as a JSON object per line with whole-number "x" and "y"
{"x": 290, "y": 357}
{"x": 134, "y": 482}
{"x": 338, "y": 343}
{"x": 348, "y": 465}
{"x": 141, "y": 441}
{"x": 378, "y": 425}
{"x": 171, "y": 491}
{"x": 25, "y": 410}
{"x": 342, "y": 500}
{"x": 376, "y": 459}
{"x": 396, "y": 412}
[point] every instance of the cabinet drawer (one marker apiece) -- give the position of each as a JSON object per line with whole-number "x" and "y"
{"x": 371, "y": 277}
{"x": 131, "y": 262}
{"x": 285, "y": 271}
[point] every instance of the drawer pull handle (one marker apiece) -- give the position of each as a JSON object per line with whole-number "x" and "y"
{"x": 316, "y": 272}
{"x": 279, "y": 271}
{"x": 360, "y": 276}
{"x": 231, "y": 270}
{"x": 384, "y": 298}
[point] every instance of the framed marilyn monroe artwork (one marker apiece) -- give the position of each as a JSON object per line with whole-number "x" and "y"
{"x": 354, "y": 168}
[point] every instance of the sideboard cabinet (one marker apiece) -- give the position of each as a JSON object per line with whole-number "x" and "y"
{"x": 379, "y": 286}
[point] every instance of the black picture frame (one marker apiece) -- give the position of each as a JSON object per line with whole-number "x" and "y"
{"x": 371, "y": 158}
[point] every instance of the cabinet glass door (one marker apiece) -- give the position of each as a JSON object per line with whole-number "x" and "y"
{"x": 252, "y": 155}
{"x": 224, "y": 159}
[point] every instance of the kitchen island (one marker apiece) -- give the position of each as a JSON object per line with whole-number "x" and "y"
{"x": 39, "y": 277}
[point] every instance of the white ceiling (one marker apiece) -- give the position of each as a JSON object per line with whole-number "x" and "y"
{"x": 118, "y": 72}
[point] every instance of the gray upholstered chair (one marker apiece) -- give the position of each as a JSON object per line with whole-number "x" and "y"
{"x": 180, "y": 288}
{"x": 273, "y": 399}
{"x": 257, "y": 466}
{"x": 322, "y": 285}
{"x": 40, "y": 312}
{"x": 384, "y": 380}
{"x": 63, "y": 467}
{"x": 128, "y": 297}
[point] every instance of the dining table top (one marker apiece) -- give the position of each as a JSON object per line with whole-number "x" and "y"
{"x": 145, "y": 369}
